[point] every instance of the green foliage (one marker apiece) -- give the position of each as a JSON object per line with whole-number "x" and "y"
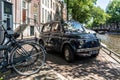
{"x": 86, "y": 12}
{"x": 99, "y": 16}
{"x": 81, "y": 10}
{"x": 113, "y": 10}
{"x": 1, "y": 78}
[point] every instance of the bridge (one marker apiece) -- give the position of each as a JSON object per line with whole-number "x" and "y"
{"x": 107, "y": 28}
{"x": 98, "y": 29}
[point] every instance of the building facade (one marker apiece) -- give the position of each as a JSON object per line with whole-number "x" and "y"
{"x": 29, "y": 14}
{"x": 26, "y": 12}
{"x": 48, "y": 10}
{"x": 5, "y": 14}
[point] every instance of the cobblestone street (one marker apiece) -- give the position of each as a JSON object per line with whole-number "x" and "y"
{"x": 84, "y": 68}
{"x": 46, "y": 73}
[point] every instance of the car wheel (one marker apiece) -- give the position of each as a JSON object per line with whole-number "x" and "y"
{"x": 68, "y": 54}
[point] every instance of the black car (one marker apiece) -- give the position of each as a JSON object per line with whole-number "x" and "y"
{"x": 70, "y": 39}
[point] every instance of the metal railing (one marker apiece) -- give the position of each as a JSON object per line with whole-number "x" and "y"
{"x": 111, "y": 53}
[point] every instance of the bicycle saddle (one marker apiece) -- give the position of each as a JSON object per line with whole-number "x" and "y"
{"x": 16, "y": 35}
{"x": 11, "y": 33}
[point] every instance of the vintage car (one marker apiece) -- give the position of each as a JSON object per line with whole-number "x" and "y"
{"x": 69, "y": 38}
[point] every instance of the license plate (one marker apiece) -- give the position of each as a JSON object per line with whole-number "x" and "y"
{"x": 93, "y": 52}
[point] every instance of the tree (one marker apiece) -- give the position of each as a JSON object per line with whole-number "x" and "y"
{"x": 99, "y": 16}
{"x": 81, "y": 9}
{"x": 86, "y": 12}
{"x": 113, "y": 10}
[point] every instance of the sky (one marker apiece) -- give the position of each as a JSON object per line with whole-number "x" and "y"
{"x": 102, "y": 3}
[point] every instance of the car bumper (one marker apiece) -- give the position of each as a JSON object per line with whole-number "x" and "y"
{"x": 88, "y": 51}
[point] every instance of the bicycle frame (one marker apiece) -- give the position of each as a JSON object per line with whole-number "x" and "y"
{"x": 16, "y": 51}
{"x": 6, "y": 47}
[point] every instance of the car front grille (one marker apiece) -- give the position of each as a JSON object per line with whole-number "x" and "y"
{"x": 91, "y": 44}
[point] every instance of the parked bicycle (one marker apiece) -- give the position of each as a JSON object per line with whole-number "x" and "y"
{"x": 25, "y": 58}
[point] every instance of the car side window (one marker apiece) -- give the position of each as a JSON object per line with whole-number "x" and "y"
{"x": 65, "y": 27}
{"x": 46, "y": 28}
{"x": 55, "y": 27}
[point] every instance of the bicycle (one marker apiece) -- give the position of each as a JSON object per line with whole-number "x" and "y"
{"x": 25, "y": 58}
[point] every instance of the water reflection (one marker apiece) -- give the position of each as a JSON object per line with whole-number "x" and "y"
{"x": 111, "y": 40}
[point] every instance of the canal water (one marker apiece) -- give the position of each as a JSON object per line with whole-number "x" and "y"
{"x": 111, "y": 40}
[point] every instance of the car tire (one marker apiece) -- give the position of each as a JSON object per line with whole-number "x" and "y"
{"x": 68, "y": 54}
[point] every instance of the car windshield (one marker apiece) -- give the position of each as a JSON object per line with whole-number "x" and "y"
{"x": 73, "y": 26}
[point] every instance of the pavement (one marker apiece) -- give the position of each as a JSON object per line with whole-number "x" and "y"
{"x": 103, "y": 67}
{"x": 46, "y": 73}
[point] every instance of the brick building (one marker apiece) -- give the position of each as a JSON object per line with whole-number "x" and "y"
{"x": 26, "y": 12}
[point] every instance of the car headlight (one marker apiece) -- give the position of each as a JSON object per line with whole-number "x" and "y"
{"x": 81, "y": 42}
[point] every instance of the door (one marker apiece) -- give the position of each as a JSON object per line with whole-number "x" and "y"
{"x": 45, "y": 33}
{"x": 24, "y": 15}
{"x": 55, "y": 36}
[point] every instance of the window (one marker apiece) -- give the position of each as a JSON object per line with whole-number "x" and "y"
{"x": 31, "y": 30}
{"x": 9, "y": 0}
{"x": 35, "y": 18}
{"x": 45, "y": 15}
{"x": 46, "y": 28}
{"x": 73, "y": 26}
{"x": 48, "y": 3}
{"x": 54, "y": 6}
{"x": 51, "y": 15}
{"x": 24, "y": 4}
{"x": 48, "y": 16}
{"x": 43, "y": 1}
{"x": 42, "y": 15}
{"x": 7, "y": 8}
{"x": 51, "y": 4}
{"x": 55, "y": 27}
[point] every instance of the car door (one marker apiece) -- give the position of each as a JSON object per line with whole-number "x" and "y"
{"x": 55, "y": 36}
{"x": 45, "y": 33}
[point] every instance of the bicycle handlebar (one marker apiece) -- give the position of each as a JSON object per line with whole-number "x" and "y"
{"x": 2, "y": 25}
{"x": 9, "y": 32}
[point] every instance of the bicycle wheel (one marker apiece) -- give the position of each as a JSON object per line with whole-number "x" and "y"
{"x": 28, "y": 58}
